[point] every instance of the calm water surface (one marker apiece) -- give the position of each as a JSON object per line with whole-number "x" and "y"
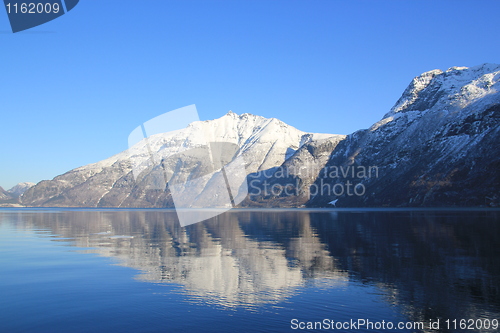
{"x": 246, "y": 271}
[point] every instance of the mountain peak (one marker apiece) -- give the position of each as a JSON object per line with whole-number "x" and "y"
{"x": 263, "y": 144}
{"x": 231, "y": 113}
{"x": 20, "y": 188}
{"x": 457, "y": 85}
{"x": 242, "y": 118}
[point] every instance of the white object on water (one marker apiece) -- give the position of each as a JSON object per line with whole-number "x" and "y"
{"x": 333, "y": 202}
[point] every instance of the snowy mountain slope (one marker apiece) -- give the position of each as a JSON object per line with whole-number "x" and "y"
{"x": 20, "y": 188}
{"x": 263, "y": 144}
{"x": 8, "y": 199}
{"x": 438, "y": 146}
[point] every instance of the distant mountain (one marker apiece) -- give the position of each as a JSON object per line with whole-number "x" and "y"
{"x": 263, "y": 144}
{"x": 6, "y": 199}
{"x": 4, "y": 195}
{"x": 20, "y": 188}
{"x": 10, "y": 198}
{"x": 438, "y": 146}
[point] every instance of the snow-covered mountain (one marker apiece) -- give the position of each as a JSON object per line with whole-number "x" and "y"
{"x": 10, "y": 198}
{"x": 17, "y": 190}
{"x": 262, "y": 144}
{"x": 438, "y": 146}
{"x": 4, "y": 195}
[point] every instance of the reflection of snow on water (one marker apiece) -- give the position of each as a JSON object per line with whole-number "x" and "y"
{"x": 222, "y": 261}
{"x": 310, "y": 262}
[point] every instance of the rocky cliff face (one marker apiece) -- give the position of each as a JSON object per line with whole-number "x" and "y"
{"x": 289, "y": 184}
{"x": 438, "y": 146}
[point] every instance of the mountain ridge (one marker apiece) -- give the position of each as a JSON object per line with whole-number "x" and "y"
{"x": 440, "y": 145}
{"x": 264, "y": 143}
{"x": 435, "y": 147}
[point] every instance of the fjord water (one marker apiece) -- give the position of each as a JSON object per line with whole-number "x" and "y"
{"x": 245, "y": 270}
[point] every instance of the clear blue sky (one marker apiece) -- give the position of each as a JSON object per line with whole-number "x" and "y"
{"x": 74, "y": 88}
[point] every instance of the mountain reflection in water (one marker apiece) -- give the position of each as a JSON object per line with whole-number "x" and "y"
{"x": 430, "y": 264}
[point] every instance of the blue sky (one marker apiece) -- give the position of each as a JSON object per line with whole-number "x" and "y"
{"x": 74, "y": 88}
